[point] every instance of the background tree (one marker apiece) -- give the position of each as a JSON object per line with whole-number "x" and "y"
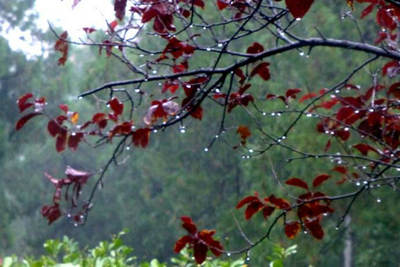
{"x": 240, "y": 81}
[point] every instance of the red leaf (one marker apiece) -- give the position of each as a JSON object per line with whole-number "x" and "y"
{"x": 367, "y": 10}
{"x": 297, "y": 182}
{"x": 21, "y": 122}
{"x": 307, "y": 96}
{"x": 315, "y": 228}
{"x": 221, "y": 4}
{"x": 244, "y": 133}
{"x": 262, "y": 70}
{"x": 200, "y": 252}
{"x": 267, "y": 211}
{"x": 246, "y": 200}
{"x": 255, "y": 48}
{"x": 119, "y": 7}
{"x": 88, "y": 30}
{"x": 298, "y": 8}
{"x": 253, "y": 208}
{"x": 291, "y": 93}
{"x": 280, "y": 203}
{"x": 61, "y": 141}
{"x": 341, "y": 169}
{"x": 21, "y": 102}
{"x": 364, "y": 148}
{"x": 181, "y": 243}
{"x": 116, "y": 106}
{"x": 292, "y": 229}
{"x": 52, "y": 213}
{"x": 141, "y": 137}
{"x": 188, "y": 224}
{"x": 320, "y": 179}
{"x": 74, "y": 140}
{"x": 197, "y": 112}
{"x": 385, "y": 18}
{"x": 113, "y": 24}
{"x": 62, "y": 46}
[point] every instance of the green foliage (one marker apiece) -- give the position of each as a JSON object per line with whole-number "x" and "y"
{"x": 67, "y": 253}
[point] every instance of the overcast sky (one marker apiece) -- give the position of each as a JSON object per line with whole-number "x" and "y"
{"x": 88, "y": 13}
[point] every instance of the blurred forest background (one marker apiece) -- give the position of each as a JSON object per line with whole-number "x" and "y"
{"x": 174, "y": 176}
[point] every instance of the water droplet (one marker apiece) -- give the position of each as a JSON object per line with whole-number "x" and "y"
{"x": 128, "y": 148}
{"x": 208, "y": 49}
{"x": 305, "y": 232}
{"x": 365, "y": 182}
{"x": 371, "y": 110}
{"x": 73, "y": 133}
{"x": 248, "y": 259}
{"x": 357, "y": 111}
{"x": 264, "y": 114}
{"x": 69, "y": 215}
{"x": 141, "y": 55}
{"x": 220, "y": 45}
{"x": 217, "y": 90}
{"x": 154, "y": 71}
{"x": 346, "y": 129}
{"x": 228, "y": 254}
{"x": 206, "y": 149}
{"x": 298, "y": 19}
{"x": 217, "y": 136}
{"x": 108, "y": 105}
{"x": 337, "y": 228}
{"x": 204, "y": 28}
{"x": 301, "y": 54}
{"x": 378, "y": 200}
{"x": 182, "y": 129}
{"x": 337, "y": 91}
{"x": 137, "y": 90}
{"x": 75, "y": 224}
{"x": 273, "y": 114}
{"x": 283, "y": 137}
{"x": 80, "y": 97}
{"x": 358, "y": 184}
{"x": 251, "y": 150}
{"x": 309, "y": 115}
{"x": 155, "y": 131}
{"x": 325, "y": 214}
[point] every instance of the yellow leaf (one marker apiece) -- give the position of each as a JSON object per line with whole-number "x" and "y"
{"x": 75, "y": 117}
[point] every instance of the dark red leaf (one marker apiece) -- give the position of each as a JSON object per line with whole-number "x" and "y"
{"x": 62, "y": 46}
{"x": 21, "y": 102}
{"x": 61, "y": 141}
{"x": 181, "y": 243}
{"x": 141, "y": 137}
{"x": 246, "y": 200}
{"x": 315, "y": 228}
{"x": 253, "y": 208}
{"x": 292, "y": 229}
{"x": 244, "y": 133}
{"x": 88, "y": 30}
{"x": 341, "y": 169}
{"x": 307, "y": 96}
{"x": 255, "y": 48}
{"x": 297, "y": 182}
{"x": 119, "y": 8}
{"x": 364, "y": 148}
{"x": 52, "y": 213}
{"x": 280, "y": 203}
{"x": 298, "y": 8}
{"x": 291, "y": 93}
{"x": 116, "y": 106}
{"x": 200, "y": 252}
{"x": 267, "y": 211}
{"x": 318, "y": 180}
{"x": 188, "y": 224}
{"x": 21, "y": 122}
{"x": 74, "y": 140}
{"x": 221, "y": 4}
{"x": 197, "y": 112}
{"x": 262, "y": 70}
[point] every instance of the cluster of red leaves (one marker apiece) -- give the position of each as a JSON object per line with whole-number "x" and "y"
{"x": 74, "y": 178}
{"x": 199, "y": 241}
{"x": 28, "y": 102}
{"x": 68, "y": 133}
{"x": 290, "y": 94}
{"x": 387, "y": 15}
{"x": 240, "y": 6}
{"x": 267, "y": 205}
{"x": 311, "y": 207}
{"x": 369, "y": 115}
{"x": 162, "y": 13}
{"x": 62, "y": 46}
{"x": 177, "y": 49}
